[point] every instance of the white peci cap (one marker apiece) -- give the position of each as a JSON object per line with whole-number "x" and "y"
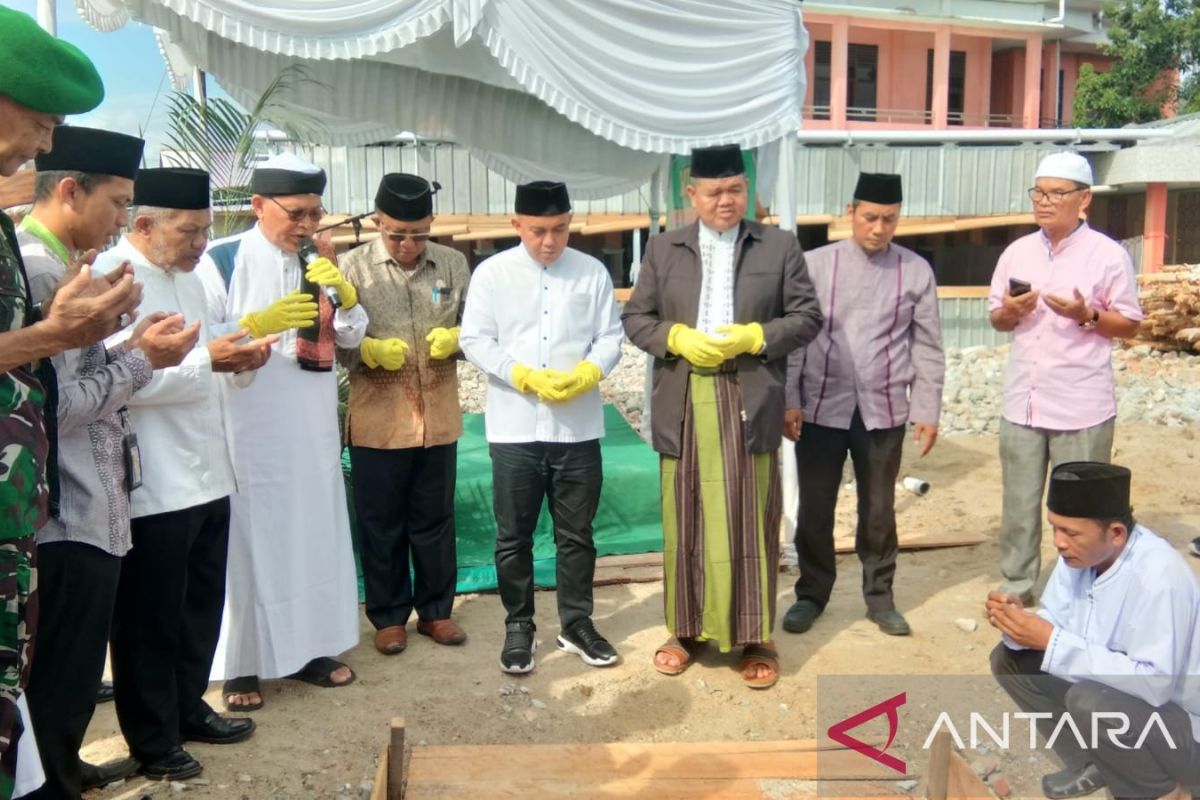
{"x": 1068, "y": 166}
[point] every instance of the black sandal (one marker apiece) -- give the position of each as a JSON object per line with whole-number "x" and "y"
{"x": 317, "y": 673}
{"x": 247, "y": 684}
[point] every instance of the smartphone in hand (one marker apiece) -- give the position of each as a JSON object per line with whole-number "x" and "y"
{"x": 1016, "y": 288}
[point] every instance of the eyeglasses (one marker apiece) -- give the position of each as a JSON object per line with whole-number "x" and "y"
{"x": 416, "y": 238}
{"x": 1054, "y": 197}
{"x": 297, "y": 215}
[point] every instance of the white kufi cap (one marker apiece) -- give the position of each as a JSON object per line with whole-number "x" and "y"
{"x": 1068, "y": 166}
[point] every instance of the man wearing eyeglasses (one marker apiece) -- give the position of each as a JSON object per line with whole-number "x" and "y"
{"x": 404, "y": 420}
{"x": 1065, "y": 292}
{"x": 291, "y": 589}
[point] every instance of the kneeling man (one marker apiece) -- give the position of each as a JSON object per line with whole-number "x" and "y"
{"x": 1114, "y": 644}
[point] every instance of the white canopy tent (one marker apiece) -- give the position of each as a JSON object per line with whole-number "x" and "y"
{"x": 592, "y": 92}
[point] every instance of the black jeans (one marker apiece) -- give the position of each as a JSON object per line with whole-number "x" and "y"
{"x": 404, "y": 503}
{"x": 166, "y": 624}
{"x": 569, "y": 477}
{"x": 820, "y": 455}
{"x": 77, "y": 587}
{"x": 1149, "y": 771}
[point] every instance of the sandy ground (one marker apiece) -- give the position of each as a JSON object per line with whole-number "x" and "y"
{"x": 322, "y": 743}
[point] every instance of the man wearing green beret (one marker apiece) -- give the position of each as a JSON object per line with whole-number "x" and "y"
{"x": 50, "y": 80}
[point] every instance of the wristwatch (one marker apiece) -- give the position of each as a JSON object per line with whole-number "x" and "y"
{"x": 1092, "y": 321}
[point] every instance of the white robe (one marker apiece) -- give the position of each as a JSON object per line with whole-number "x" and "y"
{"x": 291, "y": 592}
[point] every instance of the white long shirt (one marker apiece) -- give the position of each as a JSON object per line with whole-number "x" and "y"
{"x": 521, "y": 312}
{"x": 179, "y": 417}
{"x": 1134, "y": 628}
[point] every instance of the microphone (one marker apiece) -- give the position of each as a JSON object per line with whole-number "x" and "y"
{"x": 308, "y": 254}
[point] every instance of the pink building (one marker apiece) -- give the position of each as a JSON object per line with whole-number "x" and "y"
{"x": 947, "y": 63}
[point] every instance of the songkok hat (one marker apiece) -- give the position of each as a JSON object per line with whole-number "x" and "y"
{"x": 286, "y": 174}
{"x": 172, "y": 187}
{"x": 94, "y": 151}
{"x": 722, "y": 161}
{"x": 43, "y": 73}
{"x": 1069, "y": 166}
{"x": 1089, "y": 490}
{"x": 542, "y": 199}
{"x": 406, "y": 197}
{"x": 879, "y": 187}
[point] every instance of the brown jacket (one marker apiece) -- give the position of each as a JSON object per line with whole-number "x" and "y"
{"x": 771, "y": 287}
{"x": 416, "y": 405}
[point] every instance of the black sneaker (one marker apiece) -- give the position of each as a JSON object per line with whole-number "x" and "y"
{"x": 1194, "y": 547}
{"x": 519, "y": 644}
{"x": 583, "y": 640}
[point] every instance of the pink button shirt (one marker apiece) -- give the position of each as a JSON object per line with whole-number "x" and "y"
{"x": 1060, "y": 375}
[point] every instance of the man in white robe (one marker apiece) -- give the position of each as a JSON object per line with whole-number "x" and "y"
{"x": 1114, "y": 644}
{"x": 291, "y": 591}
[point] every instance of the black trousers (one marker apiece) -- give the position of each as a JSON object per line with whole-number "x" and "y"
{"x": 820, "y": 456}
{"x": 1150, "y": 771}
{"x": 404, "y": 502}
{"x": 77, "y": 586}
{"x": 166, "y": 624}
{"x": 569, "y": 477}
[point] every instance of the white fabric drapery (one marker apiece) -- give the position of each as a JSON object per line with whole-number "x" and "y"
{"x": 573, "y": 87}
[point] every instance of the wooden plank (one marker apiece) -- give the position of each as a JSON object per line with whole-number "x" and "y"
{"x": 592, "y": 763}
{"x": 615, "y": 788}
{"x": 395, "y": 765}
{"x": 939, "y": 767}
{"x": 379, "y": 790}
{"x": 916, "y": 540}
{"x": 632, "y": 560}
{"x": 963, "y": 783}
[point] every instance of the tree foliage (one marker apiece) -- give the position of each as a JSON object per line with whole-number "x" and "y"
{"x": 1153, "y": 42}
{"x": 219, "y": 136}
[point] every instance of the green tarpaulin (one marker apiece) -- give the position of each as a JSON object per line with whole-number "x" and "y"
{"x": 627, "y": 522}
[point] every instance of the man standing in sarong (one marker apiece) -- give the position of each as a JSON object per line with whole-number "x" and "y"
{"x": 720, "y": 304}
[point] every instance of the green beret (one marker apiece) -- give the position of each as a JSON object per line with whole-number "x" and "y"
{"x": 43, "y": 73}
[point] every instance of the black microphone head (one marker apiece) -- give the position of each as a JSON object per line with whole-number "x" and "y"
{"x": 308, "y": 251}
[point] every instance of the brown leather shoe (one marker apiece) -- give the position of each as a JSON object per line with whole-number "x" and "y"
{"x": 391, "y": 640}
{"x": 442, "y": 631}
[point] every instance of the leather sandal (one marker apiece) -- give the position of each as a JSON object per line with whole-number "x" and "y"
{"x": 682, "y": 649}
{"x": 754, "y": 655}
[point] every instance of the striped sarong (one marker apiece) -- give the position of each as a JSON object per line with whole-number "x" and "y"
{"x": 721, "y": 512}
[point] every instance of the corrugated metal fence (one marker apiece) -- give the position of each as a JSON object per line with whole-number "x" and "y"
{"x": 938, "y": 181}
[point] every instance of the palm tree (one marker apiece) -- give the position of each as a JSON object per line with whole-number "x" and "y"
{"x": 218, "y": 136}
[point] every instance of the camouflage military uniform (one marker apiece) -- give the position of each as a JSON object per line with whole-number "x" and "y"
{"x": 23, "y": 504}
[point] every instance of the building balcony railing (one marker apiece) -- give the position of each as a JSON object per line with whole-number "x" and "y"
{"x": 893, "y": 117}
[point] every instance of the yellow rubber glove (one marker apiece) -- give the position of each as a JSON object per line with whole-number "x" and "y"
{"x": 740, "y": 339}
{"x": 295, "y": 310}
{"x": 698, "y": 348}
{"x": 542, "y": 382}
{"x": 443, "y": 342}
{"x": 383, "y": 353}
{"x": 580, "y": 380}
{"x": 325, "y": 273}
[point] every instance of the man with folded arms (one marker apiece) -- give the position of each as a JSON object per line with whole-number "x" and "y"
{"x": 541, "y": 321}
{"x": 292, "y": 591}
{"x": 403, "y": 419}
{"x": 719, "y": 304}
{"x": 80, "y": 196}
{"x": 1115, "y": 645}
{"x": 172, "y": 586}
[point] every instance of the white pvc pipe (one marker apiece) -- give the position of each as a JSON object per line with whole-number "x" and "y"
{"x": 47, "y": 16}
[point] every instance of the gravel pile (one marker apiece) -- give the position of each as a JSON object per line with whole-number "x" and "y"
{"x": 1153, "y": 387}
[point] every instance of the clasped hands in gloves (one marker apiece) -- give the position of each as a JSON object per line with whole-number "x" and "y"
{"x": 556, "y": 386}
{"x": 704, "y": 350}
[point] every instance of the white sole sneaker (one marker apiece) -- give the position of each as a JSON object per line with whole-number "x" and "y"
{"x": 521, "y": 669}
{"x": 567, "y": 647}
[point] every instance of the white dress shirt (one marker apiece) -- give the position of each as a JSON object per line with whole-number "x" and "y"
{"x": 716, "y": 284}
{"x": 521, "y": 312}
{"x": 179, "y": 417}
